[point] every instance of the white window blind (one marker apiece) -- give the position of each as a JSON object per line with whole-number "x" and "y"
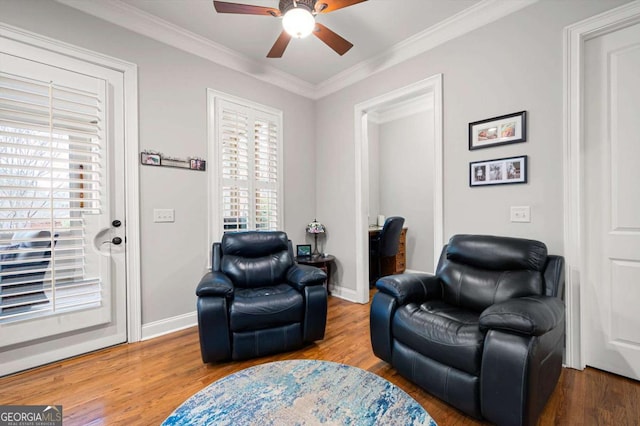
{"x": 50, "y": 169}
{"x": 249, "y": 147}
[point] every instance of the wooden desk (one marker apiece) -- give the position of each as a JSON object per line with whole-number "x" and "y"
{"x": 322, "y": 262}
{"x": 392, "y": 265}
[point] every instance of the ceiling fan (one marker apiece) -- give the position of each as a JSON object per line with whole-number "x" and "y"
{"x": 298, "y": 20}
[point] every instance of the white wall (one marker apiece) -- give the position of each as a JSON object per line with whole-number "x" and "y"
{"x": 510, "y": 65}
{"x": 406, "y": 185}
{"x": 172, "y": 112}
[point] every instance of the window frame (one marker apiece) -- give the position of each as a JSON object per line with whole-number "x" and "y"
{"x": 215, "y": 226}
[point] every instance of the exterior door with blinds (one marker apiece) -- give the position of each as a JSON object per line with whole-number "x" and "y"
{"x": 248, "y": 148}
{"x": 62, "y": 276}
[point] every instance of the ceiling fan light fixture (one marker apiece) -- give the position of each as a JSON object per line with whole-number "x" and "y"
{"x": 298, "y": 22}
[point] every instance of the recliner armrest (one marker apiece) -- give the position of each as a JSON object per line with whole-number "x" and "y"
{"x": 407, "y": 288}
{"x": 301, "y": 276}
{"x": 532, "y": 315}
{"x": 215, "y": 284}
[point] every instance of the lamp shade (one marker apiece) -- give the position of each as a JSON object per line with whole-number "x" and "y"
{"x": 315, "y": 227}
{"x": 298, "y": 22}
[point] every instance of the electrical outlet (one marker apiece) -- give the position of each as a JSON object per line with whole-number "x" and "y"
{"x": 163, "y": 215}
{"x": 520, "y": 214}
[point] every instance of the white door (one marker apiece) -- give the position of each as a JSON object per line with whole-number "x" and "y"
{"x": 611, "y": 176}
{"x": 62, "y": 189}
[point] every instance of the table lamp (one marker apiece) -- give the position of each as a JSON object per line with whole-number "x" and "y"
{"x": 315, "y": 228}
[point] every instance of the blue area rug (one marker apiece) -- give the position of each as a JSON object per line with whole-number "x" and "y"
{"x": 301, "y": 392}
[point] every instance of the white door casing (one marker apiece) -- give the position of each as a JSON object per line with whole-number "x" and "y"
{"x": 59, "y": 336}
{"x": 599, "y": 191}
{"x": 432, "y": 88}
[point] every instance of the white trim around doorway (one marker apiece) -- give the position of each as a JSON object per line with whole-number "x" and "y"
{"x": 574, "y": 38}
{"x": 431, "y": 90}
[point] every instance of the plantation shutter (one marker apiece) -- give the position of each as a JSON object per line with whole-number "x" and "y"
{"x": 249, "y": 164}
{"x": 266, "y": 173}
{"x": 51, "y": 165}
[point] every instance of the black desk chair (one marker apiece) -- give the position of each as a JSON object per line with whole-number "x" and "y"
{"x": 386, "y": 244}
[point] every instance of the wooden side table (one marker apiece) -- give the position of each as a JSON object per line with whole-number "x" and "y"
{"x": 322, "y": 262}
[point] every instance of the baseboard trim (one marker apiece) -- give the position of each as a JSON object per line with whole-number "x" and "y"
{"x": 344, "y": 293}
{"x": 169, "y": 325}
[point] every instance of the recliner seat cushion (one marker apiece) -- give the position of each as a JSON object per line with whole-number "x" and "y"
{"x": 265, "y": 307}
{"x": 442, "y": 332}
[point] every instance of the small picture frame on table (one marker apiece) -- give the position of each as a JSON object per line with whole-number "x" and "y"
{"x": 303, "y": 250}
{"x": 503, "y": 130}
{"x": 498, "y": 172}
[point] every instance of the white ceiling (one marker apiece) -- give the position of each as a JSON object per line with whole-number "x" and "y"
{"x": 384, "y": 32}
{"x": 372, "y": 26}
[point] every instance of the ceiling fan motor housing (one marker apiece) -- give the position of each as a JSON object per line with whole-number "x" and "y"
{"x": 286, "y": 5}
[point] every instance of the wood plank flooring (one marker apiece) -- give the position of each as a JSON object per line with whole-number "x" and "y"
{"x": 142, "y": 383}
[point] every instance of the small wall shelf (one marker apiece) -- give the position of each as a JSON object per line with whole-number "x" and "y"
{"x": 148, "y": 158}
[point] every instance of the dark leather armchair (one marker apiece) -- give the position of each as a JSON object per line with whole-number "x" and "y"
{"x": 485, "y": 334}
{"x": 256, "y": 300}
{"x": 386, "y": 244}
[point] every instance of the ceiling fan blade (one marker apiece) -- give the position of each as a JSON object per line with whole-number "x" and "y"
{"x": 331, "y": 39}
{"x": 245, "y": 9}
{"x": 280, "y": 45}
{"x": 326, "y": 6}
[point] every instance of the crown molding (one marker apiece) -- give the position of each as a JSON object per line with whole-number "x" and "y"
{"x": 149, "y": 25}
{"x": 474, "y": 17}
{"x": 134, "y": 19}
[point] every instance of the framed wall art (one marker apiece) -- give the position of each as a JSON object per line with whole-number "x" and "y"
{"x": 498, "y": 172}
{"x": 506, "y": 129}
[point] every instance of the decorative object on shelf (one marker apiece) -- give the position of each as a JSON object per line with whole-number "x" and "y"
{"x": 150, "y": 159}
{"x": 503, "y": 130}
{"x": 499, "y": 171}
{"x": 315, "y": 228}
{"x": 153, "y": 158}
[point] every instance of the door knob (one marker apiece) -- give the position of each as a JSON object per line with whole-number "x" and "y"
{"x": 116, "y": 240}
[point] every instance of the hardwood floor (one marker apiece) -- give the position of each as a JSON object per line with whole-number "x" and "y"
{"x": 142, "y": 383}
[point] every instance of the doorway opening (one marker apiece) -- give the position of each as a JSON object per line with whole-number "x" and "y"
{"x": 428, "y": 92}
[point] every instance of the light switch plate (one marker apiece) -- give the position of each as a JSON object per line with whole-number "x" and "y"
{"x": 163, "y": 215}
{"x": 520, "y": 214}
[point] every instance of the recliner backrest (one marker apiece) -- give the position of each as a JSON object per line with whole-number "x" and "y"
{"x": 480, "y": 270}
{"x": 255, "y": 258}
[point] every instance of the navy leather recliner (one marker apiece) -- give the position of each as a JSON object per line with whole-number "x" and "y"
{"x": 485, "y": 334}
{"x": 256, "y": 301}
